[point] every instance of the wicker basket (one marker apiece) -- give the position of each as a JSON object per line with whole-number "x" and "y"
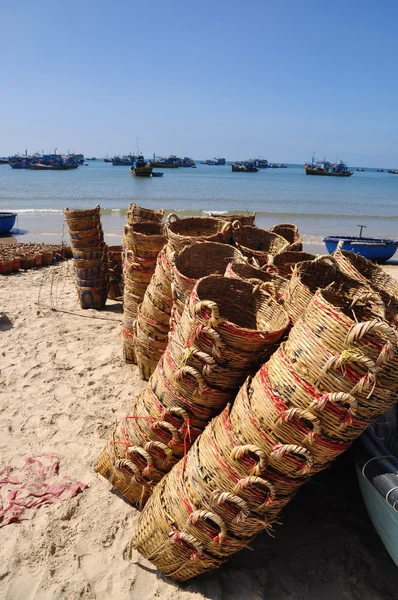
{"x": 284, "y": 262}
{"x": 257, "y": 243}
{"x": 240, "y": 270}
{"x": 290, "y": 233}
{"x": 197, "y": 261}
{"x": 182, "y": 232}
{"x": 244, "y": 219}
{"x": 144, "y": 239}
{"x": 92, "y": 297}
{"x": 137, "y": 214}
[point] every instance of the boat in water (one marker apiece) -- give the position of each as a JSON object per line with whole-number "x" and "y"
{"x": 3, "y": 160}
{"x": 380, "y": 170}
{"x": 45, "y": 167}
{"x": 393, "y": 171}
{"x": 141, "y": 167}
{"x": 376, "y": 463}
{"x": 326, "y": 168}
{"x": 187, "y": 162}
{"x": 107, "y": 159}
{"x": 7, "y": 222}
{"x": 124, "y": 161}
{"x": 170, "y": 162}
{"x": 215, "y": 162}
{"x": 376, "y": 249}
{"x": 54, "y": 162}
{"x": 359, "y": 169}
{"x": 244, "y": 167}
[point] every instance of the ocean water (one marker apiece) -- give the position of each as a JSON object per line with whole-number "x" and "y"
{"x": 318, "y": 205}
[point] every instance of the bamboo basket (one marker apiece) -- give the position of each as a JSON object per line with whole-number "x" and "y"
{"x": 241, "y": 270}
{"x": 310, "y": 276}
{"x": 284, "y": 262}
{"x": 244, "y": 219}
{"x": 71, "y": 214}
{"x": 144, "y": 239}
{"x": 182, "y": 232}
{"x": 290, "y": 233}
{"x": 197, "y": 261}
{"x": 367, "y": 272}
{"x": 257, "y": 244}
{"x": 138, "y": 214}
{"x": 92, "y": 297}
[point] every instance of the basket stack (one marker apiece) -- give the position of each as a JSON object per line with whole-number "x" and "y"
{"x": 227, "y": 326}
{"x": 155, "y": 312}
{"x": 115, "y": 269}
{"x": 319, "y": 391}
{"x": 290, "y": 233}
{"x": 90, "y": 254}
{"x": 257, "y": 244}
{"x": 142, "y": 243}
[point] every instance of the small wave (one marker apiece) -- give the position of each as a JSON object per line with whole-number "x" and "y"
{"x": 215, "y": 212}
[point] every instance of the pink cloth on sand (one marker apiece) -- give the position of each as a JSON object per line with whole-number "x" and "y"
{"x": 24, "y": 490}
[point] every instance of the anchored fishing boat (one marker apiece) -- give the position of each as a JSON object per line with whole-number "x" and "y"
{"x": 141, "y": 167}
{"x": 171, "y": 162}
{"x": 326, "y": 168}
{"x": 244, "y": 167}
{"x": 376, "y": 249}
{"x": 7, "y": 222}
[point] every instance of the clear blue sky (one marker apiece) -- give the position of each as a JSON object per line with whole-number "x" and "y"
{"x": 202, "y": 78}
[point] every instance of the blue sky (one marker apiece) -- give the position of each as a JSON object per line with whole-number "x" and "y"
{"x": 236, "y": 79}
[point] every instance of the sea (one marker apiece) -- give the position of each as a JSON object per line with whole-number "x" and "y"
{"x": 319, "y": 206}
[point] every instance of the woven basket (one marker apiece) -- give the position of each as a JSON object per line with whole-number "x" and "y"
{"x": 257, "y": 243}
{"x": 245, "y": 320}
{"x": 182, "y": 232}
{"x": 255, "y": 275}
{"x": 99, "y": 253}
{"x": 284, "y": 262}
{"x": 144, "y": 239}
{"x": 290, "y": 233}
{"x": 82, "y": 214}
{"x": 137, "y": 214}
{"x": 92, "y": 297}
{"x": 197, "y": 261}
{"x": 317, "y": 274}
{"x": 367, "y": 272}
{"x": 245, "y": 219}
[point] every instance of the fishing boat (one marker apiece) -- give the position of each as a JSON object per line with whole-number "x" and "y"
{"x": 124, "y": 161}
{"x": 187, "y": 162}
{"x": 157, "y": 174}
{"x": 393, "y": 171}
{"x": 380, "y": 170}
{"x": 55, "y": 167}
{"x": 244, "y": 167}
{"x": 360, "y": 170}
{"x": 376, "y": 249}
{"x": 325, "y": 168}
{"x": 376, "y": 463}
{"x": 170, "y": 162}
{"x": 107, "y": 159}
{"x": 7, "y": 222}
{"x": 217, "y": 162}
{"x": 141, "y": 167}
{"x": 3, "y": 160}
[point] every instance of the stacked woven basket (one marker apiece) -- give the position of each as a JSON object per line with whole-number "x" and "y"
{"x": 335, "y": 373}
{"x": 226, "y": 330}
{"x": 143, "y": 239}
{"x": 90, "y": 254}
{"x": 115, "y": 269}
{"x": 239, "y": 412}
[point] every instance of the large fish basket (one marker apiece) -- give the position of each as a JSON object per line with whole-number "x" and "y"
{"x": 283, "y": 263}
{"x": 258, "y": 244}
{"x": 144, "y": 239}
{"x": 138, "y": 214}
{"x": 290, "y": 233}
{"x": 182, "y": 232}
{"x": 275, "y": 284}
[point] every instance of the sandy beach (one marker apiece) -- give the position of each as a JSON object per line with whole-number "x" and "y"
{"x": 63, "y": 384}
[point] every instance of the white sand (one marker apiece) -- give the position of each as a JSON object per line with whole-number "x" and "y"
{"x": 63, "y": 383}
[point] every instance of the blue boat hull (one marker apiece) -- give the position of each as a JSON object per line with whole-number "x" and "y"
{"x": 377, "y": 250}
{"x": 7, "y": 222}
